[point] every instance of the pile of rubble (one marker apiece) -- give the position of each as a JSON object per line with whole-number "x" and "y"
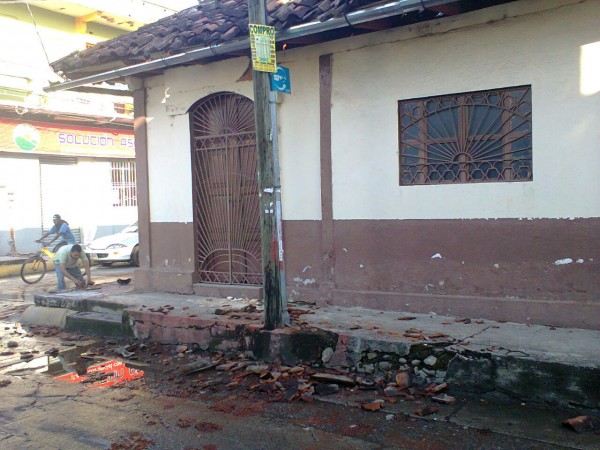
{"x": 183, "y": 365}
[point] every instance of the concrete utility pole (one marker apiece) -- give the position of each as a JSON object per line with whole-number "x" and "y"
{"x": 268, "y": 187}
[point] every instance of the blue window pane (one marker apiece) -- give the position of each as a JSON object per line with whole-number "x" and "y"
{"x": 484, "y": 120}
{"x": 443, "y": 124}
{"x": 477, "y": 136}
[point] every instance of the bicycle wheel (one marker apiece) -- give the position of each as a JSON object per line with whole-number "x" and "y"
{"x": 33, "y": 270}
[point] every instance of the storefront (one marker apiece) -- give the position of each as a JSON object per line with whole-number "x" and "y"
{"x": 84, "y": 173}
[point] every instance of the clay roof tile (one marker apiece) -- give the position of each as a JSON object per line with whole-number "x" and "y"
{"x": 211, "y": 22}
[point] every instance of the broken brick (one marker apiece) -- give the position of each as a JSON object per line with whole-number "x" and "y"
{"x": 444, "y": 398}
{"x": 372, "y": 406}
{"x": 439, "y": 387}
{"x": 427, "y": 411}
{"x": 403, "y": 379}
{"x": 582, "y": 424}
{"x": 339, "y": 379}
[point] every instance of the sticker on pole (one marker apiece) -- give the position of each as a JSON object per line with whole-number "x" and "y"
{"x": 262, "y": 45}
{"x": 280, "y": 80}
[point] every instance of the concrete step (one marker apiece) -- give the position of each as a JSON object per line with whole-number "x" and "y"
{"x": 532, "y": 363}
{"x": 490, "y": 361}
{"x": 99, "y": 324}
{"x": 85, "y": 300}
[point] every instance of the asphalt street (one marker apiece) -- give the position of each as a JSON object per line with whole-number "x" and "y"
{"x": 63, "y": 390}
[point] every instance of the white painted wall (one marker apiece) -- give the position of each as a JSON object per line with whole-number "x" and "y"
{"x": 551, "y": 45}
{"x": 169, "y": 164}
{"x": 541, "y": 49}
{"x": 21, "y": 178}
{"x": 186, "y": 85}
{"x": 299, "y": 140}
{"x": 169, "y": 100}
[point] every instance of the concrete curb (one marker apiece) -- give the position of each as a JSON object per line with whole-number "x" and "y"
{"x": 482, "y": 359}
{"x": 99, "y": 324}
{"x": 51, "y": 317}
{"x": 14, "y": 269}
{"x": 10, "y": 270}
{"x": 89, "y": 301}
{"x": 470, "y": 372}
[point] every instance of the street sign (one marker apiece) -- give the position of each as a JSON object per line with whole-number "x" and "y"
{"x": 262, "y": 46}
{"x": 280, "y": 80}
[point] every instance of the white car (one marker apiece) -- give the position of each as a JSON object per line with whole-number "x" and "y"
{"x": 120, "y": 247}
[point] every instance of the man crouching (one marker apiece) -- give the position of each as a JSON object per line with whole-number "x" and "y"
{"x": 66, "y": 265}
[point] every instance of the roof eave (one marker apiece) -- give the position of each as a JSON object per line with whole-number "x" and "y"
{"x": 223, "y": 50}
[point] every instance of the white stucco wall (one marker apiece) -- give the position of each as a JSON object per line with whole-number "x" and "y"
{"x": 299, "y": 139}
{"x": 169, "y": 99}
{"x": 169, "y": 166}
{"x": 542, "y": 50}
{"x": 551, "y": 45}
{"x": 21, "y": 178}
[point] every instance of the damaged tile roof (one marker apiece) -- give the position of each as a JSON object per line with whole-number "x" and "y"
{"x": 211, "y": 22}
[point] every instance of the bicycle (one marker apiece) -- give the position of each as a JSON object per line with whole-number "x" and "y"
{"x": 34, "y": 268}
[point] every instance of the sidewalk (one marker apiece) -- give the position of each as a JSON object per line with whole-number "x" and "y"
{"x": 542, "y": 364}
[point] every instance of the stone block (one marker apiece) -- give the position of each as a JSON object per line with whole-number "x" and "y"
{"x": 547, "y": 382}
{"x": 470, "y": 375}
{"x": 40, "y": 315}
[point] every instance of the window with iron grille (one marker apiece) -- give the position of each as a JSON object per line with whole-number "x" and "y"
{"x": 466, "y": 138}
{"x": 123, "y": 183}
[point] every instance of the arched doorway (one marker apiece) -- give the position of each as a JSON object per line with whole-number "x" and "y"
{"x": 225, "y": 190}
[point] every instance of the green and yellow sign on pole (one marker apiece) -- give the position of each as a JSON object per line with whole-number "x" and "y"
{"x": 262, "y": 45}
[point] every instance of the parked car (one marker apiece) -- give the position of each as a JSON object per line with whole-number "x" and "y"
{"x": 119, "y": 247}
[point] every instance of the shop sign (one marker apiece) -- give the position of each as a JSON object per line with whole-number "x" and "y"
{"x": 45, "y": 138}
{"x": 262, "y": 46}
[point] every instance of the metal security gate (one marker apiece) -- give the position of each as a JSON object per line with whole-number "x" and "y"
{"x": 226, "y": 214}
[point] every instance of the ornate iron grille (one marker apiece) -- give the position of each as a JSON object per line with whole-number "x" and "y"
{"x": 466, "y": 138}
{"x": 226, "y": 203}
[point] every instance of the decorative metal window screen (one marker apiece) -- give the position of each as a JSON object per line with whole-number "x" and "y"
{"x": 123, "y": 183}
{"x": 466, "y": 138}
{"x": 226, "y": 201}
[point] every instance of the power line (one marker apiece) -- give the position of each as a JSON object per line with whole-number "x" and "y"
{"x": 38, "y": 33}
{"x": 164, "y": 7}
{"x": 12, "y": 2}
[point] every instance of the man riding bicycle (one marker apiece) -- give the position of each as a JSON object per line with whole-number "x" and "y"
{"x": 62, "y": 231}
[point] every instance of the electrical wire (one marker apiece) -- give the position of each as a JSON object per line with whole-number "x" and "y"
{"x": 165, "y": 8}
{"x": 39, "y": 35}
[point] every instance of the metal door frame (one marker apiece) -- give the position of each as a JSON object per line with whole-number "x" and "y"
{"x": 224, "y": 122}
